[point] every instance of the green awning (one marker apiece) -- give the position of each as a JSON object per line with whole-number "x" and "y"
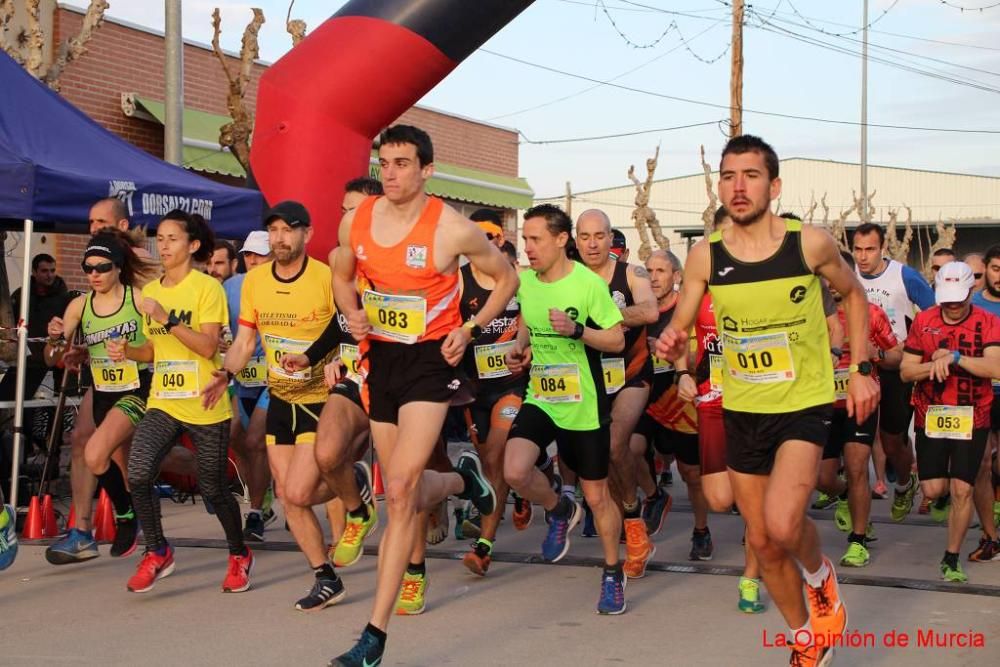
{"x": 201, "y": 136}
{"x": 474, "y": 186}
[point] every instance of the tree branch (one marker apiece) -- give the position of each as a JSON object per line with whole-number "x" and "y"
{"x": 235, "y": 135}
{"x": 708, "y": 215}
{"x": 72, "y": 49}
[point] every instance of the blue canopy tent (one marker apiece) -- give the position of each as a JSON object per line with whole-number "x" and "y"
{"x": 55, "y": 162}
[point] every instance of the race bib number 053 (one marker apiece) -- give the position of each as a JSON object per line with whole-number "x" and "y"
{"x": 951, "y": 422}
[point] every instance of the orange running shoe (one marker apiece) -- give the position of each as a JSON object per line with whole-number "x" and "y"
{"x": 522, "y": 513}
{"x": 810, "y": 656}
{"x": 639, "y": 548}
{"x": 827, "y": 613}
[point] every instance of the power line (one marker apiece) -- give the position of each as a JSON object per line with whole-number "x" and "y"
{"x": 968, "y": 9}
{"x": 619, "y": 135}
{"x": 713, "y": 105}
{"x": 840, "y": 34}
{"x": 621, "y": 33}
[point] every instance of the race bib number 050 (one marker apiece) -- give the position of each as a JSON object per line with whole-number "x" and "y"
{"x": 254, "y": 374}
{"x": 490, "y": 361}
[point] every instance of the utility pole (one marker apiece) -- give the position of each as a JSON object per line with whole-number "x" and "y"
{"x": 864, "y": 213}
{"x": 173, "y": 103}
{"x": 736, "y": 76}
{"x": 568, "y": 206}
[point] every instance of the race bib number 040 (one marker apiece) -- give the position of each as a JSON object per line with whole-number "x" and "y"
{"x": 176, "y": 379}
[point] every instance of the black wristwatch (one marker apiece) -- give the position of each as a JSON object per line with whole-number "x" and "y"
{"x": 475, "y": 331}
{"x": 864, "y": 368}
{"x": 172, "y": 321}
{"x": 577, "y": 332}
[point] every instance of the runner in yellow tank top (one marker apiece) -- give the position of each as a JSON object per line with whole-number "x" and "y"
{"x": 762, "y": 274}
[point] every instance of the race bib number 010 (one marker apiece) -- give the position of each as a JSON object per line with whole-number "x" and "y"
{"x": 950, "y": 422}
{"x": 176, "y": 379}
{"x": 114, "y": 377}
{"x": 398, "y": 318}
{"x": 614, "y": 374}
{"x": 762, "y": 359}
{"x": 556, "y": 383}
{"x": 254, "y": 374}
{"x": 490, "y": 361}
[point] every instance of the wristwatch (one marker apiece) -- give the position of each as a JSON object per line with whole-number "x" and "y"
{"x": 474, "y": 329}
{"x": 172, "y": 321}
{"x": 864, "y": 368}
{"x": 577, "y": 332}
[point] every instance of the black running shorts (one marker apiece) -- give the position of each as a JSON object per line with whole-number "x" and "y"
{"x": 586, "y": 452}
{"x": 753, "y": 439}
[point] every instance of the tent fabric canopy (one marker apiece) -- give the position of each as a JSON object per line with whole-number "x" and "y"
{"x": 55, "y": 162}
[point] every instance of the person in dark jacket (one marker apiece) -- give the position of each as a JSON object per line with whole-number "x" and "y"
{"x": 49, "y": 298}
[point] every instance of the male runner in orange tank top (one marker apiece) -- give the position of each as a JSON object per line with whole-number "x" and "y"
{"x": 400, "y": 252}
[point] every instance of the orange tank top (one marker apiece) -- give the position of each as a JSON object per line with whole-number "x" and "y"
{"x": 407, "y": 300}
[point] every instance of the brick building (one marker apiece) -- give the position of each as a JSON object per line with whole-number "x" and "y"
{"x": 119, "y": 83}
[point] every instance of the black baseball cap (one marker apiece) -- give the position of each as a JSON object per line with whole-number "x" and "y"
{"x": 617, "y": 239}
{"x": 292, "y": 212}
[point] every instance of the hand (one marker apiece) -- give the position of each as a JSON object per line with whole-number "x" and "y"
{"x": 561, "y": 323}
{"x": 453, "y": 348}
{"x": 56, "y": 328}
{"x": 116, "y": 349}
{"x": 75, "y": 357}
{"x": 215, "y": 389}
{"x": 357, "y": 322}
{"x": 672, "y": 344}
{"x": 155, "y": 311}
{"x": 332, "y": 372}
{"x": 941, "y": 353}
{"x": 687, "y": 388}
{"x": 293, "y": 363}
{"x": 518, "y": 360}
{"x": 941, "y": 367}
{"x": 862, "y": 397}
{"x": 224, "y": 344}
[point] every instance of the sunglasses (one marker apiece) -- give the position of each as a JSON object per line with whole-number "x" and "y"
{"x": 103, "y": 267}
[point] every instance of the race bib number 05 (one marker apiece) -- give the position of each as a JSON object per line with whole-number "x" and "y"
{"x": 398, "y": 318}
{"x": 176, "y": 379}
{"x": 254, "y": 374}
{"x": 951, "y": 422}
{"x": 614, "y": 374}
{"x": 114, "y": 377}
{"x": 490, "y": 360}
{"x": 556, "y": 383}
{"x": 762, "y": 359}
{"x": 276, "y": 348}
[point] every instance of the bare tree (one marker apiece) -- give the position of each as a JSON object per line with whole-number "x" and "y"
{"x": 643, "y": 215}
{"x": 810, "y": 213}
{"x": 295, "y": 27}
{"x": 946, "y": 234}
{"x": 899, "y": 250}
{"x": 235, "y": 135}
{"x": 708, "y": 215}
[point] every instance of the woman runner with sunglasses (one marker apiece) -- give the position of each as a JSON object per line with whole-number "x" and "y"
{"x": 183, "y": 314}
{"x": 108, "y": 312}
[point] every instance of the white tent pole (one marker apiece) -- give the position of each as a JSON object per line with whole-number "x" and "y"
{"x": 22, "y": 364}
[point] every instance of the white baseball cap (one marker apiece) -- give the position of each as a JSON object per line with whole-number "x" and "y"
{"x": 953, "y": 282}
{"x": 257, "y": 243}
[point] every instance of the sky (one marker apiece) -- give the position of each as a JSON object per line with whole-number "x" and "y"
{"x": 654, "y": 48}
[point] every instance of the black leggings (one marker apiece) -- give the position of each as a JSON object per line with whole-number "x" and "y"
{"x": 154, "y": 437}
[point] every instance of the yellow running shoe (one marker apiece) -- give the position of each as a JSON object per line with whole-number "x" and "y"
{"x": 411, "y": 595}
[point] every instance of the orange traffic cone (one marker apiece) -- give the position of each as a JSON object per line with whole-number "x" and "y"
{"x": 34, "y": 528}
{"x": 105, "y": 528}
{"x": 49, "y": 526}
{"x": 377, "y": 480}
{"x": 98, "y": 512}
{"x": 71, "y": 521}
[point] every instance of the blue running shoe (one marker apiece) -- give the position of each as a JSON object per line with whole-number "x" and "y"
{"x": 8, "y": 536}
{"x": 76, "y": 547}
{"x": 556, "y": 542}
{"x": 366, "y": 653}
{"x": 612, "y": 601}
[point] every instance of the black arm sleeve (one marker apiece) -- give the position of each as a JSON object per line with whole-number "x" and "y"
{"x": 329, "y": 340}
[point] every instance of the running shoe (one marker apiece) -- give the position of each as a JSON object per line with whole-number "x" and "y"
{"x": 126, "y": 535}
{"x": 810, "y": 656}
{"x": 655, "y": 510}
{"x": 480, "y": 491}
{"x": 902, "y": 503}
{"x": 556, "y": 542}
{"x": 238, "y": 574}
{"x": 827, "y": 613}
{"x": 351, "y": 546}
{"x": 325, "y": 592}
{"x": 925, "y": 506}
{"x": 750, "y": 596}
{"x": 879, "y": 491}
{"x": 363, "y": 478}
{"x": 522, "y": 513}
{"x": 856, "y": 556}
{"x": 254, "y": 530}
{"x": 612, "y": 600}
{"x": 953, "y": 573}
{"x": 411, "y": 595}
{"x": 940, "y": 509}
{"x": 589, "y": 527}
{"x": 666, "y": 478}
{"x": 701, "y": 545}
{"x": 75, "y": 547}
{"x": 8, "y": 536}
{"x": 151, "y": 568}
{"x": 472, "y": 525}
{"x": 639, "y": 548}
{"x": 823, "y": 501}
{"x": 890, "y": 472}
{"x": 996, "y": 512}
{"x": 366, "y": 653}
{"x": 460, "y": 513}
{"x": 842, "y": 516}
{"x": 870, "y": 533}
{"x": 988, "y": 550}
{"x": 437, "y": 524}
{"x": 267, "y": 507}
{"x": 478, "y": 560}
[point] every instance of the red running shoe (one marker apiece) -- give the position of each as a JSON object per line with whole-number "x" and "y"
{"x": 151, "y": 567}
{"x": 238, "y": 575}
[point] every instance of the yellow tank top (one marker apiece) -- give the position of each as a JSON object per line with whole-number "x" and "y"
{"x": 776, "y": 348}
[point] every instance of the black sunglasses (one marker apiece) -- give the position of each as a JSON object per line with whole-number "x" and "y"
{"x": 977, "y": 276}
{"x": 103, "y": 267}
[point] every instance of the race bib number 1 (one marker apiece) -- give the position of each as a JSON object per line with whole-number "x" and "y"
{"x": 394, "y": 317}
{"x": 490, "y": 360}
{"x": 176, "y": 379}
{"x": 951, "y": 422}
{"x": 556, "y": 383}
{"x": 614, "y": 374}
{"x": 254, "y": 374}
{"x": 114, "y": 377}
{"x": 762, "y": 359}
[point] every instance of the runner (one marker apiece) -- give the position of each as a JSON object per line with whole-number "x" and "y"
{"x": 8, "y": 534}
{"x": 627, "y": 378}
{"x": 107, "y": 312}
{"x": 403, "y": 249}
{"x": 777, "y": 378}
{"x": 222, "y": 263}
{"x": 184, "y": 312}
{"x": 900, "y": 291}
{"x": 491, "y": 223}
{"x": 987, "y": 491}
{"x": 251, "y": 398}
{"x": 566, "y": 399}
{"x": 951, "y": 353}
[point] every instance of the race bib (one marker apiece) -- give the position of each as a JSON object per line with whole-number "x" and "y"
{"x": 556, "y": 383}
{"x": 277, "y": 347}
{"x": 398, "y": 318}
{"x": 490, "y": 360}
{"x": 114, "y": 377}
{"x": 176, "y": 379}
{"x": 995, "y": 383}
{"x": 350, "y": 356}
{"x": 661, "y": 365}
{"x": 840, "y": 378}
{"x": 614, "y": 374}
{"x": 762, "y": 359}
{"x": 951, "y": 422}
{"x": 715, "y": 372}
{"x": 254, "y": 374}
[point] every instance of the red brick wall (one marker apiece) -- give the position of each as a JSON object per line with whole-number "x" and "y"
{"x": 69, "y": 253}
{"x": 466, "y": 143}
